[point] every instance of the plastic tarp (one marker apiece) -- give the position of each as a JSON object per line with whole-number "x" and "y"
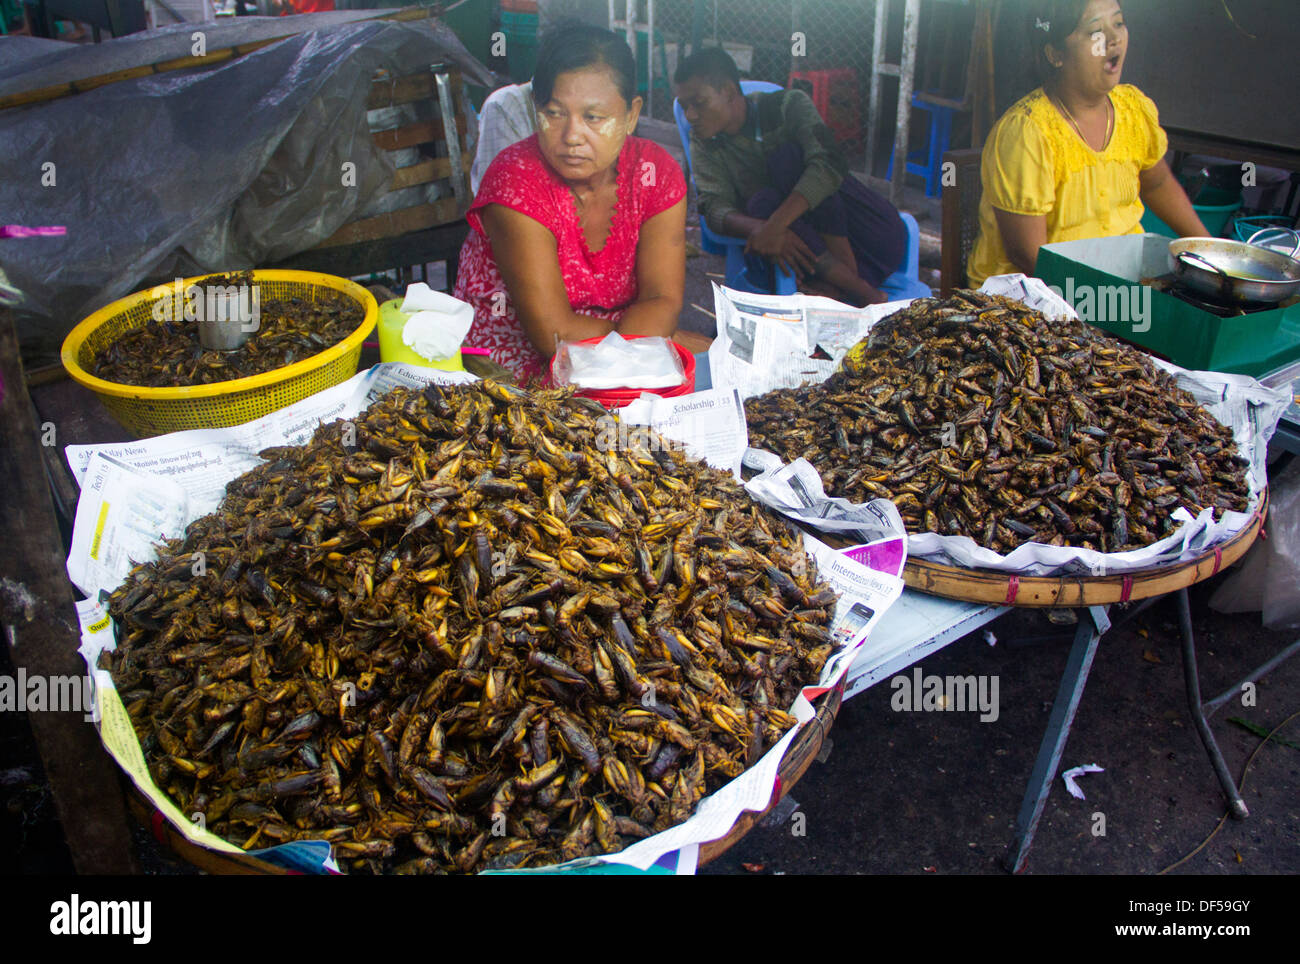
{"x": 73, "y": 61}
{"x": 213, "y": 168}
{"x": 17, "y": 51}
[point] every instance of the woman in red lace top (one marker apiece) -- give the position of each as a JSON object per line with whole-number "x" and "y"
{"x": 578, "y": 230}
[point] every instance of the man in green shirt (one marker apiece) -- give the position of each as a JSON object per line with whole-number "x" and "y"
{"x": 768, "y": 169}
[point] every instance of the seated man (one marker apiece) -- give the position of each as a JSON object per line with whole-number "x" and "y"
{"x": 768, "y": 169}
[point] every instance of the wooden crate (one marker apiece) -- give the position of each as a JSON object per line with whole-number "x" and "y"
{"x": 425, "y": 136}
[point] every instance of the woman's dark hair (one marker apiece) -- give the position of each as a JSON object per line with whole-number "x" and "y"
{"x": 713, "y": 65}
{"x": 573, "y": 45}
{"x": 1050, "y": 22}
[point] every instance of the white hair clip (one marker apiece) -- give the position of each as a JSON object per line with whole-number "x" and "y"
{"x": 1044, "y": 25}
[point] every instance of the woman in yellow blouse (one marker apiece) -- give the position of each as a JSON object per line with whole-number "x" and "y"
{"x": 1078, "y": 157}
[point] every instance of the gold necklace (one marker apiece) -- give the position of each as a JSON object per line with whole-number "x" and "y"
{"x": 1110, "y": 121}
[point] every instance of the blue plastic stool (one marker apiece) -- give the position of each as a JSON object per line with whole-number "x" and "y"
{"x": 906, "y": 281}
{"x": 930, "y": 166}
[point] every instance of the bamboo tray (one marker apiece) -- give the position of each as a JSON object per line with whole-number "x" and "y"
{"x": 798, "y": 758}
{"x": 1005, "y": 589}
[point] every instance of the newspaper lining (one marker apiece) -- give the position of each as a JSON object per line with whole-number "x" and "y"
{"x": 782, "y": 341}
{"x": 121, "y": 516}
{"x": 710, "y": 424}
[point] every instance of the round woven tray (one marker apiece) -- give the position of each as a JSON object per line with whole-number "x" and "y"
{"x": 1004, "y": 589}
{"x": 798, "y": 757}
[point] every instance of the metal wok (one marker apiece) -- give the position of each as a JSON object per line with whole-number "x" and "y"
{"x": 1237, "y": 271}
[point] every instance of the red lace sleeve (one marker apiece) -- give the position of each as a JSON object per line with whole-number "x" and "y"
{"x": 518, "y": 179}
{"x": 659, "y": 180}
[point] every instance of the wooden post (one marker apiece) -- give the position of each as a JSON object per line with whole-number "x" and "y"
{"x": 878, "y": 69}
{"x": 983, "y": 93}
{"x": 40, "y": 621}
{"x": 650, "y": 59}
{"x": 906, "y": 72}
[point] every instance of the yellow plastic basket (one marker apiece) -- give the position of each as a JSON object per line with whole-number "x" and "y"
{"x": 156, "y": 411}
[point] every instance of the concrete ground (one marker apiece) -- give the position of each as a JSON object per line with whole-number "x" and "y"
{"x": 938, "y": 792}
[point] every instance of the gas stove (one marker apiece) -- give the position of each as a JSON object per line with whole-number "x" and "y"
{"x": 1172, "y": 286}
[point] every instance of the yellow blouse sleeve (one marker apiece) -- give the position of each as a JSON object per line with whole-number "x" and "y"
{"x": 1148, "y": 124}
{"x": 1018, "y": 169}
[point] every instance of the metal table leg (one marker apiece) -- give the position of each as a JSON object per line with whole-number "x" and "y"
{"x": 1212, "y": 706}
{"x": 1093, "y": 622}
{"x": 1074, "y": 678}
{"x": 1236, "y": 805}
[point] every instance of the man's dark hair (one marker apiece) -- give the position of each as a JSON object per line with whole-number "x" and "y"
{"x": 573, "y": 45}
{"x": 713, "y": 65}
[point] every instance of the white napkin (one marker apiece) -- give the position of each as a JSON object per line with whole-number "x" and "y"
{"x": 438, "y": 322}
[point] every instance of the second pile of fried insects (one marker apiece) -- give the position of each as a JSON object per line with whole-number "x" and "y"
{"x": 465, "y": 631}
{"x": 978, "y": 416}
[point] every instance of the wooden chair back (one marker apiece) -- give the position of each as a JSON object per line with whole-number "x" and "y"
{"x": 961, "y": 204}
